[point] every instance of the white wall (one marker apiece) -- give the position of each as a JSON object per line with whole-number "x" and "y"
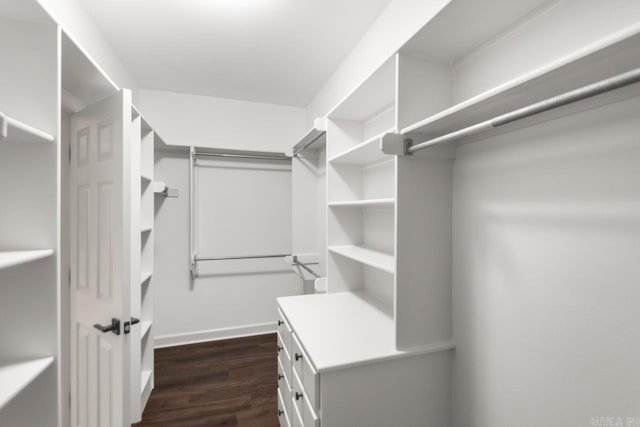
{"x": 546, "y": 232}
{"x": 183, "y": 119}
{"x": 546, "y": 249}
{"x": 244, "y": 208}
{"x": 398, "y": 23}
{"x": 78, "y": 24}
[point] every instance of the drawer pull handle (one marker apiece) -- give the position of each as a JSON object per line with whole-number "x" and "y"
{"x": 280, "y": 323}
{"x": 298, "y": 396}
{"x": 280, "y": 348}
{"x": 280, "y": 412}
{"x": 280, "y": 376}
{"x": 298, "y": 356}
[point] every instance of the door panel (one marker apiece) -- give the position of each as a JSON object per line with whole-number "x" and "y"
{"x": 100, "y": 266}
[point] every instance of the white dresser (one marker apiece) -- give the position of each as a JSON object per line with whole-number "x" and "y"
{"x": 338, "y": 367}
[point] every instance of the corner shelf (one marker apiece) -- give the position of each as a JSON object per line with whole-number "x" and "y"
{"x": 10, "y": 259}
{"x": 145, "y": 379}
{"x": 380, "y": 260}
{"x": 145, "y": 277}
{"x": 366, "y": 152}
{"x": 388, "y": 202}
{"x": 144, "y": 329}
{"x": 16, "y": 131}
{"x": 16, "y": 377}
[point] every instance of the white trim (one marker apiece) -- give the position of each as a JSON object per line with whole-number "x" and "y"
{"x": 214, "y": 335}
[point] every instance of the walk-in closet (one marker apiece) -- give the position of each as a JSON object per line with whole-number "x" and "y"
{"x": 272, "y": 213}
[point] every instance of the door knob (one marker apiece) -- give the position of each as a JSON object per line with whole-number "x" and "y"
{"x": 127, "y": 325}
{"x": 298, "y": 396}
{"x": 113, "y": 327}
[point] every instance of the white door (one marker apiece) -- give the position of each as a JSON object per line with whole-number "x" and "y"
{"x": 100, "y": 276}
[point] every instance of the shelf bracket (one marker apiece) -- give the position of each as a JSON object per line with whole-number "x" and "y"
{"x": 394, "y": 144}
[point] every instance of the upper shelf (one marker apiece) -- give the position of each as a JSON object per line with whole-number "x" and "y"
{"x": 376, "y": 95}
{"x": 613, "y": 55}
{"x": 366, "y": 152}
{"x": 16, "y": 131}
{"x": 16, "y": 377}
{"x": 457, "y": 23}
{"x": 84, "y": 82}
{"x": 9, "y": 259}
{"x": 311, "y": 138}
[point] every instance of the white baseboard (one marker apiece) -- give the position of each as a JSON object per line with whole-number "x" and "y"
{"x": 214, "y": 335}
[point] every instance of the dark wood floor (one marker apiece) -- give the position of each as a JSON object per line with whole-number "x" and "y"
{"x": 222, "y": 383}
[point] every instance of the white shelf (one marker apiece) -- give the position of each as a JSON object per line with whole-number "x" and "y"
{"x": 616, "y": 54}
{"x": 145, "y": 378}
{"x": 15, "y": 131}
{"x": 366, "y": 152}
{"x": 145, "y": 276}
{"x": 309, "y": 139}
{"x": 17, "y": 376}
{"x": 146, "y": 229}
{"x": 144, "y": 329}
{"x": 346, "y": 329}
{"x": 146, "y": 179}
{"x": 364, "y": 203}
{"x": 379, "y": 260}
{"x": 9, "y": 259}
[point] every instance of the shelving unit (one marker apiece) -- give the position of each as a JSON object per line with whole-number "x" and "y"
{"x": 148, "y": 139}
{"x": 30, "y": 250}
{"x": 361, "y": 186}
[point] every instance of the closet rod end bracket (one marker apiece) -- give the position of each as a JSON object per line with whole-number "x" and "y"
{"x": 407, "y": 144}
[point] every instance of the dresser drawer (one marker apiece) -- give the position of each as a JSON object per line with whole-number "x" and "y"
{"x": 284, "y": 360}
{"x": 284, "y": 387}
{"x": 296, "y": 418}
{"x": 284, "y": 370}
{"x": 306, "y": 372}
{"x": 285, "y": 331}
{"x": 283, "y": 414}
{"x": 302, "y": 405}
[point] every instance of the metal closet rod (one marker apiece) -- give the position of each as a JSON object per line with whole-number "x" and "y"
{"x": 226, "y": 258}
{"x": 308, "y": 144}
{"x": 584, "y": 92}
{"x": 243, "y": 156}
{"x": 310, "y": 271}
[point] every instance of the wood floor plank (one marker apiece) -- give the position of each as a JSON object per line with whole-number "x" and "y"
{"x": 222, "y": 383}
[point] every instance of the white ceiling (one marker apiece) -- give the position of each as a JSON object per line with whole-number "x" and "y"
{"x": 275, "y": 51}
